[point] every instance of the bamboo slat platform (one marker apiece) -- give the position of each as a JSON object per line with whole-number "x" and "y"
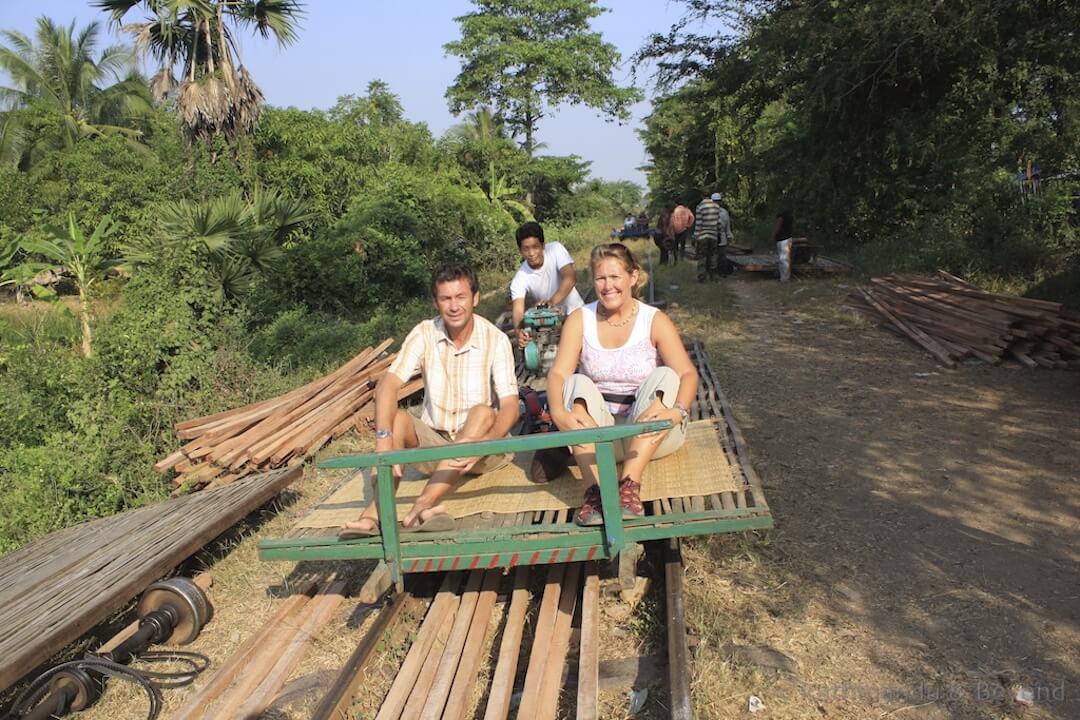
{"x": 54, "y": 590}
{"x": 768, "y": 263}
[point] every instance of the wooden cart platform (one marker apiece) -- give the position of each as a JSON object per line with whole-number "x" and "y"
{"x": 493, "y": 540}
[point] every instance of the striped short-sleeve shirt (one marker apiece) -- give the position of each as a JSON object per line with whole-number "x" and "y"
{"x": 712, "y": 222}
{"x": 456, "y": 380}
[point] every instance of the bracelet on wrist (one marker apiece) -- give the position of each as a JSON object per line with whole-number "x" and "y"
{"x": 383, "y": 434}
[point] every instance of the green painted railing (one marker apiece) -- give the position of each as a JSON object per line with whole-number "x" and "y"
{"x": 603, "y": 438}
{"x": 516, "y": 444}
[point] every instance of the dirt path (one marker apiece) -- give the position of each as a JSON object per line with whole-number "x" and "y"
{"x": 925, "y": 561}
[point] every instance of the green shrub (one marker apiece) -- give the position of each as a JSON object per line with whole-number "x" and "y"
{"x": 381, "y": 253}
{"x": 298, "y": 339}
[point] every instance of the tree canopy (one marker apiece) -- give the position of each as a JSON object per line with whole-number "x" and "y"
{"x": 523, "y": 56}
{"x": 215, "y": 94}
{"x": 902, "y": 122}
{"x": 60, "y": 72}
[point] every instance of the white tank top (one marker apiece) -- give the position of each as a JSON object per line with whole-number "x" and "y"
{"x": 621, "y": 370}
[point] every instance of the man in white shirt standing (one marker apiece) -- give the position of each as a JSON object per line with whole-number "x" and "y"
{"x": 545, "y": 278}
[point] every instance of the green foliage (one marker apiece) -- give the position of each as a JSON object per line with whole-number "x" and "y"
{"x": 551, "y": 180}
{"x": 896, "y": 128}
{"x": 216, "y": 97}
{"x": 520, "y": 56}
{"x": 232, "y": 238}
{"x": 298, "y": 339}
{"x": 58, "y": 71}
{"x": 84, "y": 258}
{"x": 382, "y": 250}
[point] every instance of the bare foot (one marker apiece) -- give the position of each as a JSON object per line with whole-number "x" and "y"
{"x": 420, "y": 514}
{"x": 364, "y": 522}
{"x": 363, "y": 526}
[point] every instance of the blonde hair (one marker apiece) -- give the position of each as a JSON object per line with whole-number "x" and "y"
{"x": 618, "y": 251}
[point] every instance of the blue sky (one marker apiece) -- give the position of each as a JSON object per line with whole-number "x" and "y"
{"x": 346, "y": 43}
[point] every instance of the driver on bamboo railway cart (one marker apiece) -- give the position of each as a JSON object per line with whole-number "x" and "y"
{"x": 631, "y": 367}
{"x": 470, "y": 394}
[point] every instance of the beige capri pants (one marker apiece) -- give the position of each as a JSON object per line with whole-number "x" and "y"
{"x": 662, "y": 381}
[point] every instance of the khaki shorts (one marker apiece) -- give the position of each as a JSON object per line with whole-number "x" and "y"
{"x": 662, "y": 381}
{"x": 430, "y": 437}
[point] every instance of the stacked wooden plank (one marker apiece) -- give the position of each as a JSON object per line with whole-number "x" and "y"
{"x": 281, "y": 431}
{"x": 953, "y": 320}
{"x": 56, "y": 588}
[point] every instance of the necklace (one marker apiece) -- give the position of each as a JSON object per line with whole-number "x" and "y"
{"x": 625, "y": 320}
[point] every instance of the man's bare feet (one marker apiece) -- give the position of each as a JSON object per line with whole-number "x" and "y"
{"x": 364, "y": 526}
{"x": 422, "y": 514}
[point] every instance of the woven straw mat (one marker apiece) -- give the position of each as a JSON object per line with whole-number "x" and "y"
{"x": 699, "y": 467}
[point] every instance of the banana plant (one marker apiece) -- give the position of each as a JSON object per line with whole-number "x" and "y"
{"x": 84, "y": 258}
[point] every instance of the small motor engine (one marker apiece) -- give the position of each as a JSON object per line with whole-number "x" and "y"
{"x": 544, "y": 326}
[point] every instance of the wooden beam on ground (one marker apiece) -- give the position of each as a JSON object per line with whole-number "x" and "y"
{"x": 455, "y": 644}
{"x": 502, "y": 679}
{"x": 335, "y": 703}
{"x": 376, "y": 585}
{"x": 322, "y": 607}
{"x": 196, "y": 706}
{"x": 469, "y": 666}
{"x": 588, "y": 696}
{"x": 538, "y": 656}
{"x": 262, "y": 661}
{"x": 678, "y": 651}
{"x": 551, "y": 687}
{"x": 444, "y": 605}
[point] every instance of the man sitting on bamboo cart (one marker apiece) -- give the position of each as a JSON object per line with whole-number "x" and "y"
{"x": 470, "y": 394}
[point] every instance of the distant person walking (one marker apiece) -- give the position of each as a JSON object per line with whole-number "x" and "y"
{"x": 783, "y": 231}
{"x": 664, "y": 237}
{"x": 712, "y": 231}
{"x": 682, "y": 220}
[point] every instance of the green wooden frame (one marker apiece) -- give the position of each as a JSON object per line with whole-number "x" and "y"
{"x": 508, "y": 546}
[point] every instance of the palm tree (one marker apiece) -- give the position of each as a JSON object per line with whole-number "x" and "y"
{"x": 484, "y": 149}
{"x": 84, "y": 258}
{"x": 236, "y": 239}
{"x": 215, "y": 94}
{"x": 58, "y": 69}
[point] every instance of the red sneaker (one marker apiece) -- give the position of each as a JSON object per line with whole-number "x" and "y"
{"x": 590, "y": 512}
{"x": 630, "y": 498}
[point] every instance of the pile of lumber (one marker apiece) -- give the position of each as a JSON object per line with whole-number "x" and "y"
{"x": 283, "y": 430}
{"x": 953, "y": 320}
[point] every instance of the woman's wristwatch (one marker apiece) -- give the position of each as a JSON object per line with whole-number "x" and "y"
{"x": 683, "y": 410}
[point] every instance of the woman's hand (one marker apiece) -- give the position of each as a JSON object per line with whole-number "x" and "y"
{"x": 566, "y": 420}
{"x": 522, "y": 338}
{"x": 659, "y": 412}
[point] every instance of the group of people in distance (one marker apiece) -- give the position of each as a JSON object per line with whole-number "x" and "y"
{"x": 710, "y": 224}
{"x": 619, "y": 360}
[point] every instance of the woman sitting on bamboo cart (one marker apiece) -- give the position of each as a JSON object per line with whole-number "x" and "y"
{"x": 631, "y": 367}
